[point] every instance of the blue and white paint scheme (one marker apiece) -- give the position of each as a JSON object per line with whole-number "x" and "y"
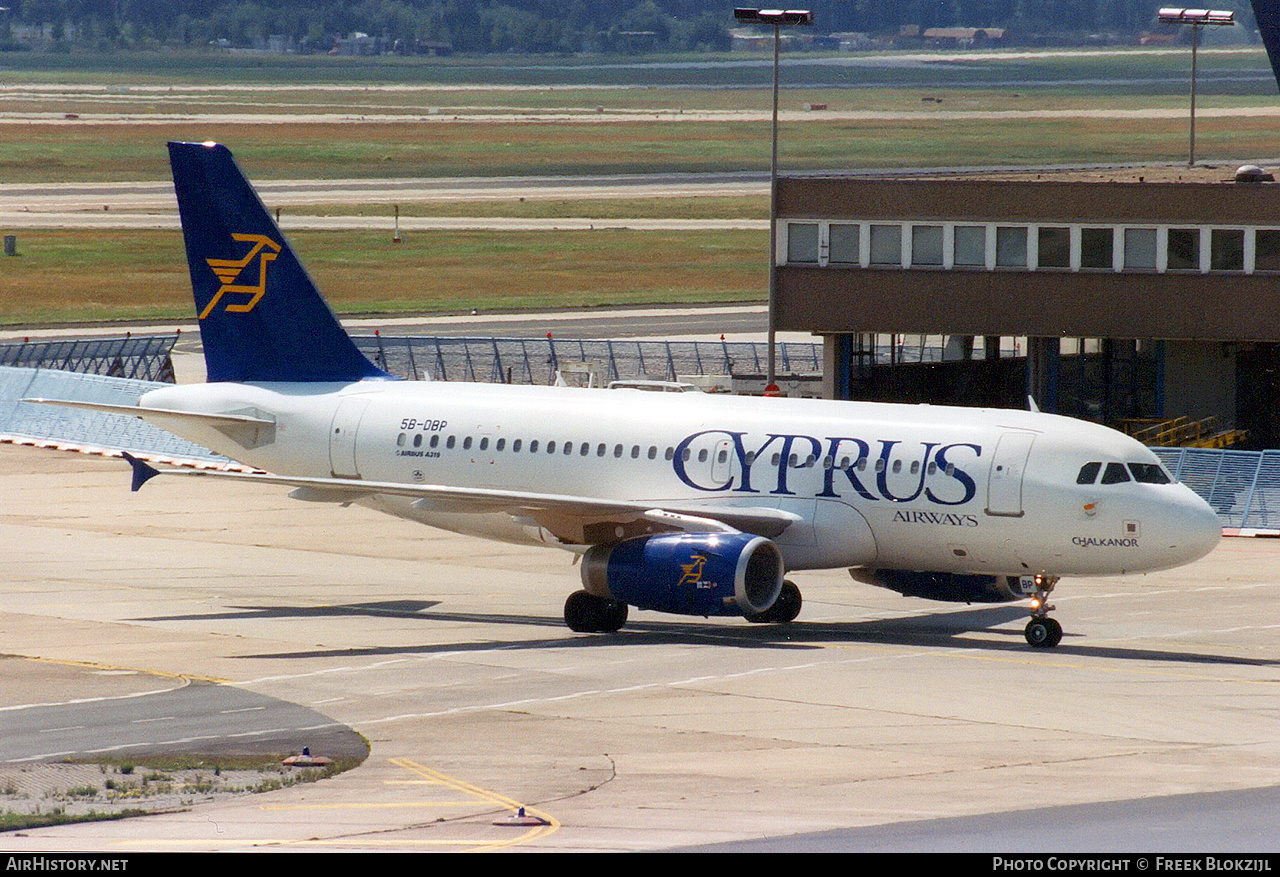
{"x": 678, "y": 502}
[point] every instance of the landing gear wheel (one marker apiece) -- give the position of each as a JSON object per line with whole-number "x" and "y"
{"x": 1043, "y": 633}
{"x": 784, "y": 609}
{"x": 587, "y": 613}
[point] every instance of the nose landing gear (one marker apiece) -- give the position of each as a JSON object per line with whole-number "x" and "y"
{"x": 1043, "y": 632}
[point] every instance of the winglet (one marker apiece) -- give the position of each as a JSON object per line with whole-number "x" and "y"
{"x": 142, "y": 472}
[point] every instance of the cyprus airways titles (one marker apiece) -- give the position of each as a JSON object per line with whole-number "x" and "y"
{"x": 681, "y": 503}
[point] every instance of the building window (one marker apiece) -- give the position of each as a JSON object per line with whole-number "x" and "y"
{"x": 1266, "y": 251}
{"x": 1011, "y": 247}
{"x": 1140, "y": 249}
{"x": 926, "y": 245}
{"x": 1054, "y": 245}
{"x": 886, "y": 245}
{"x": 1226, "y": 249}
{"x": 970, "y": 247}
{"x": 843, "y": 245}
{"x": 802, "y": 242}
{"x": 1096, "y": 248}
{"x": 1184, "y": 249}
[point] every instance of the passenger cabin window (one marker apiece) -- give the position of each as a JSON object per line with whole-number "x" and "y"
{"x": 1115, "y": 473}
{"x": 1088, "y": 473}
{"x": 1149, "y": 473}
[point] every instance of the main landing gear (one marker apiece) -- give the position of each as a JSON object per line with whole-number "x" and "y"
{"x": 784, "y": 609}
{"x": 1043, "y": 632}
{"x": 587, "y": 613}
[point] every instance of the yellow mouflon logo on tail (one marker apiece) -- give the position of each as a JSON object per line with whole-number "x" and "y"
{"x": 228, "y": 270}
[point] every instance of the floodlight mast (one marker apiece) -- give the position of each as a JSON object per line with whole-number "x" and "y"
{"x": 1196, "y": 18}
{"x": 778, "y": 18}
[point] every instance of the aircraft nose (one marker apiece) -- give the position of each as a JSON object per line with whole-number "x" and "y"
{"x": 1197, "y": 529}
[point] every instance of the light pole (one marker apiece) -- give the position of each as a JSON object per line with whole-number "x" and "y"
{"x": 777, "y": 18}
{"x": 1196, "y": 18}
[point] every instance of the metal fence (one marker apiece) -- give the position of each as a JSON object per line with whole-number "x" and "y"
{"x": 141, "y": 357}
{"x": 1243, "y": 487}
{"x": 76, "y": 426}
{"x": 536, "y": 360}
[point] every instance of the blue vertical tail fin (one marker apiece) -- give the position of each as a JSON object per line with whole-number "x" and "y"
{"x": 1267, "y": 15}
{"x": 261, "y": 317}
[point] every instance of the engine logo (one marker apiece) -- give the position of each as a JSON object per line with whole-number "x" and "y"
{"x": 693, "y": 571}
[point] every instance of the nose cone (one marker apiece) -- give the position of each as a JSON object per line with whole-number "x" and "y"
{"x": 1194, "y": 529}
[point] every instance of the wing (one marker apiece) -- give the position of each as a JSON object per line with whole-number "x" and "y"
{"x": 574, "y": 520}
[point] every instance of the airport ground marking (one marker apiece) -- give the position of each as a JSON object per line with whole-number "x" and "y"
{"x": 538, "y": 831}
{"x": 95, "y": 665}
{"x": 373, "y": 805}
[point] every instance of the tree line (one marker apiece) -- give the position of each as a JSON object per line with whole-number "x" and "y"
{"x": 535, "y": 26}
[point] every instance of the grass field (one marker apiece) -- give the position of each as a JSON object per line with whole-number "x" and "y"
{"x": 292, "y": 151}
{"x": 72, "y": 276}
{"x": 64, "y": 276}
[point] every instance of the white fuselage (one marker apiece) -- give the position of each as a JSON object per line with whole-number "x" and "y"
{"x": 911, "y": 487}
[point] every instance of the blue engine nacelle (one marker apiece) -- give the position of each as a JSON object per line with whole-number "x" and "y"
{"x": 687, "y": 573}
{"x": 948, "y": 586}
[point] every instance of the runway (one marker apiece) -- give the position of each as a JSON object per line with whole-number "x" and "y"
{"x": 872, "y": 716}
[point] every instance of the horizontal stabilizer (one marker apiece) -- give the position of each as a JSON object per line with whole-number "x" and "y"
{"x": 142, "y": 472}
{"x": 140, "y": 411}
{"x": 247, "y": 430}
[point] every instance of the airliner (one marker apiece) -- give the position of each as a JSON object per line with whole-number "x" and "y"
{"x": 686, "y": 503}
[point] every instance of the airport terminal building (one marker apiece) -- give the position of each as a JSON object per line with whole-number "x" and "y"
{"x": 1124, "y": 296}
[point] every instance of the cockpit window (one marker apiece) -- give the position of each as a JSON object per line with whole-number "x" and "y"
{"x": 1088, "y": 473}
{"x": 1149, "y": 473}
{"x": 1115, "y": 473}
